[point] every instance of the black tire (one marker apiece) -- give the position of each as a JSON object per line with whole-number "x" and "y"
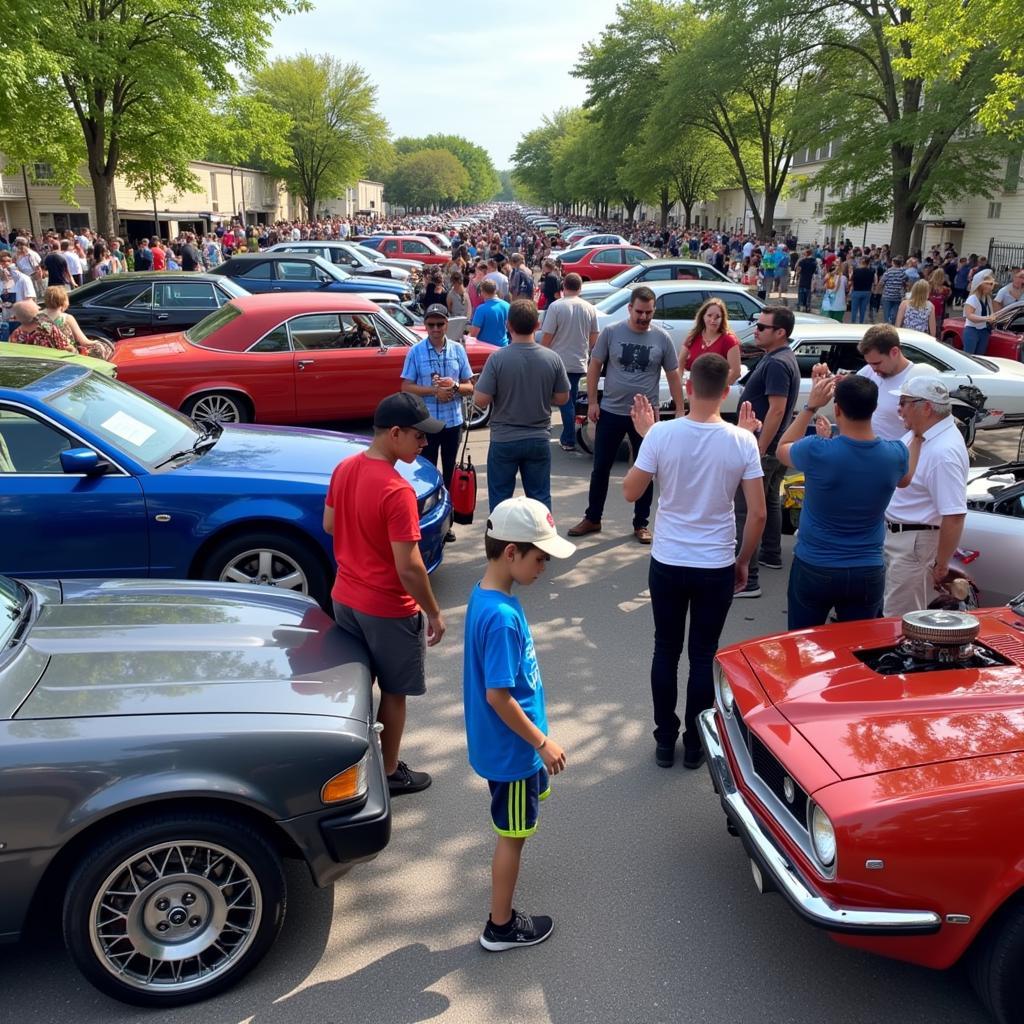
{"x": 585, "y": 440}
{"x": 219, "y": 406}
{"x": 476, "y": 417}
{"x": 995, "y": 966}
{"x": 94, "y": 335}
{"x": 255, "y": 908}
{"x": 244, "y": 552}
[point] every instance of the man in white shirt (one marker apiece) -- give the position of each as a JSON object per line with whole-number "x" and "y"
{"x": 888, "y": 369}
{"x": 499, "y": 279}
{"x": 700, "y": 462}
{"x": 1011, "y": 293}
{"x": 570, "y": 330}
{"x": 925, "y": 520}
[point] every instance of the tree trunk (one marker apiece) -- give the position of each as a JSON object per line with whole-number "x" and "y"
{"x": 631, "y": 205}
{"x": 904, "y": 211}
{"x": 688, "y": 211}
{"x": 101, "y": 173}
{"x": 666, "y": 205}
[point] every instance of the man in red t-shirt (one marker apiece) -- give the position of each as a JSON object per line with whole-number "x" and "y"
{"x": 382, "y": 593}
{"x": 159, "y": 256}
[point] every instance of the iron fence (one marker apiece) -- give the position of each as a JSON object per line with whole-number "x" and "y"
{"x": 1003, "y": 257}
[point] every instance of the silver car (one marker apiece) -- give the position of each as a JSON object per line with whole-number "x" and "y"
{"x": 163, "y": 746}
{"x": 669, "y": 269}
{"x": 991, "y": 547}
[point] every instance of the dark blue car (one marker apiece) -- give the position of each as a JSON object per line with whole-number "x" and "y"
{"x": 302, "y": 272}
{"x": 99, "y": 480}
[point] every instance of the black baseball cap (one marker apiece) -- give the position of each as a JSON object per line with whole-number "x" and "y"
{"x": 436, "y": 309}
{"x": 406, "y": 410}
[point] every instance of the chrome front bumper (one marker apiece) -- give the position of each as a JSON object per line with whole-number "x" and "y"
{"x": 776, "y": 867}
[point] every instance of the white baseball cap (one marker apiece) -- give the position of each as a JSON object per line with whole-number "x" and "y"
{"x": 527, "y": 521}
{"x": 981, "y": 277}
{"x": 930, "y": 389}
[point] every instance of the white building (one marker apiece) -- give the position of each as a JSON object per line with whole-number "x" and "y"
{"x": 363, "y": 199}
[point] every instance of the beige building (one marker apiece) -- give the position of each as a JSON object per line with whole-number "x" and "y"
{"x": 363, "y": 199}
{"x": 223, "y": 193}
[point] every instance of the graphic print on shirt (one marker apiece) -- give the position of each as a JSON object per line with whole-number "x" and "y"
{"x": 635, "y": 358}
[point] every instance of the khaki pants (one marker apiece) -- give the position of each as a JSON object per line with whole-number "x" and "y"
{"x": 909, "y": 558}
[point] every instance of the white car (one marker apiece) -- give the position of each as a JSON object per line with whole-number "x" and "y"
{"x": 600, "y": 239}
{"x": 991, "y": 548}
{"x": 648, "y": 271}
{"x": 676, "y": 304}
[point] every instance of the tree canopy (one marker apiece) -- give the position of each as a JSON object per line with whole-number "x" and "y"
{"x": 426, "y": 177}
{"x": 482, "y": 182}
{"x": 126, "y": 85}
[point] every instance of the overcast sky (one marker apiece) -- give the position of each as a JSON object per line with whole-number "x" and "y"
{"x": 489, "y": 77}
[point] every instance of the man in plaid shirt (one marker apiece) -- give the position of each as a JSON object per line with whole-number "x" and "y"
{"x": 438, "y": 370}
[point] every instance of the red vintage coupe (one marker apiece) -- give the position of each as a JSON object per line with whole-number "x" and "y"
{"x": 600, "y": 262}
{"x": 1006, "y": 340}
{"x": 292, "y": 358}
{"x": 875, "y": 774}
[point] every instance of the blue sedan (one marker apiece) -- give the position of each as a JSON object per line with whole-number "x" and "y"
{"x": 98, "y": 480}
{"x": 275, "y": 271}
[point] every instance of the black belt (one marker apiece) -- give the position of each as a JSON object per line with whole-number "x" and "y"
{"x": 907, "y": 527}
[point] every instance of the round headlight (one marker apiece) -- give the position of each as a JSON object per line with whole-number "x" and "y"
{"x": 823, "y": 836}
{"x": 724, "y": 690}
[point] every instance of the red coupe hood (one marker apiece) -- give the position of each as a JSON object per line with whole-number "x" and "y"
{"x": 862, "y": 722}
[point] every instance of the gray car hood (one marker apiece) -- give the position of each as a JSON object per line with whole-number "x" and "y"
{"x": 145, "y": 647}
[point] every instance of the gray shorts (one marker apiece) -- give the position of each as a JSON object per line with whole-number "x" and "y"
{"x": 397, "y": 648}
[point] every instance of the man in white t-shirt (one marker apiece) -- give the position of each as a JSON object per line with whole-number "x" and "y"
{"x": 887, "y": 368}
{"x": 700, "y": 462}
{"x": 1010, "y": 293}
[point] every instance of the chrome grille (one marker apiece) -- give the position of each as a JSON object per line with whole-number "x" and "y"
{"x": 770, "y": 771}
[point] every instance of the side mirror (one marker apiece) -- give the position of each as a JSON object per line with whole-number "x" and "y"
{"x": 83, "y": 461}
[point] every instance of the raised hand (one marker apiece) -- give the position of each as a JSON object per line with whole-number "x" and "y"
{"x": 642, "y": 414}
{"x": 823, "y": 427}
{"x": 820, "y": 370}
{"x": 747, "y": 420}
{"x": 821, "y": 391}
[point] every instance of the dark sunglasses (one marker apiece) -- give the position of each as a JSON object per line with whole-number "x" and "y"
{"x": 435, "y": 323}
{"x": 764, "y": 327}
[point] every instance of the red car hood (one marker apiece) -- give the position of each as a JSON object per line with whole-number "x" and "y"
{"x": 862, "y": 723}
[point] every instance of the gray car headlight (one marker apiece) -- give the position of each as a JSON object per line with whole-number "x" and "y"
{"x": 823, "y": 837}
{"x": 430, "y": 502}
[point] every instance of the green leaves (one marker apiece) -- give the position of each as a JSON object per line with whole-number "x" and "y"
{"x": 482, "y": 182}
{"x": 427, "y": 177}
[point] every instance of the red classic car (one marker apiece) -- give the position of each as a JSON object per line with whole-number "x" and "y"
{"x": 875, "y": 774}
{"x": 278, "y": 359}
{"x": 408, "y": 247}
{"x": 599, "y": 262}
{"x": 1006, "y": 340}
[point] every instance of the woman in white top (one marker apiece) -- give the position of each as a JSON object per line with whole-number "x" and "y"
{"x": 833, "y": 303}
{"x": 916, "y": 312}
{"x": 978, "y": 313}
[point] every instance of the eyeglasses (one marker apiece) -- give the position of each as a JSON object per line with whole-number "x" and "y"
{"x": 764, "y": 327}
{"x": 910, "y": 401}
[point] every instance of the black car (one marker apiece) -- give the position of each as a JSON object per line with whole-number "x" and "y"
{"x": 351, "y": 258}
{"x": 153, "y": 302}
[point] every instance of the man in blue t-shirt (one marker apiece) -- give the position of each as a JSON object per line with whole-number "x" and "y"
{"x": 490, "y": 319}
{"x": 848, "y": 483}
{"x": 506, "y": 723}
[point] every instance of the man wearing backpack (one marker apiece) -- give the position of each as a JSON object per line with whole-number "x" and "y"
{"x": 520, "y": 280}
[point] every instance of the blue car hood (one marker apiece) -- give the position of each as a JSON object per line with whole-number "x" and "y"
{"x": 294, "y": 453}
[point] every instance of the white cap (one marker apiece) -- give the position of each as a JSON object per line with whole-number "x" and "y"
{"x": 527, "y": 521}
{"x": 981, "y": 277}
{"x": 930, "y": 389}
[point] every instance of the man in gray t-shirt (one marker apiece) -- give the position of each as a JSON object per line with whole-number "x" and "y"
{"x": 570, "y": 330}
{"x": 522, "y": 381}
{"x": 633, "y": 354}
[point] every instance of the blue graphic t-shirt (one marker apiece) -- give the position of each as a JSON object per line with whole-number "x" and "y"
{"x": 499, "y": 654}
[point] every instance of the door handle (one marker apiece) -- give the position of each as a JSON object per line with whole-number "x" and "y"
{"x": 303, "y": 363}
{"x": 126, "y": 332}
{"x": 277, "y": 288}
{"x": 162, "y": 316}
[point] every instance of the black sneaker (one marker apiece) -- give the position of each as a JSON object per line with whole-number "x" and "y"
{"x": 449, "y": 537}
{"x": 404, "y": 780}
{"x": 693, "y": 758}
{"x": 521, "y": 930}
{"x": 750, "y": 590}
{"x": 665, "y": 755}
{"x": 770, "y": 563}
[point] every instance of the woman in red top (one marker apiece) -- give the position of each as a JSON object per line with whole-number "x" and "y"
{"x": 711, "y": 333}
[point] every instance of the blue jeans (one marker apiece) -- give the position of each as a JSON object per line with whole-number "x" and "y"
{"x": 855, "y": 592}
{"x": 568, "y": 410}
{"x": 706, "y": 595}
{"x": 859, "y": 307}
{"x": 611, "y": 429}
{"x": 803, "y": 298}
{"x": 976, "y": 339}
{"x": 530, "y": 458}
{"x": 891, "y": 307}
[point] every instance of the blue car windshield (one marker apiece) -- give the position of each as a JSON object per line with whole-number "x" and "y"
{"x": 126, "y": 420}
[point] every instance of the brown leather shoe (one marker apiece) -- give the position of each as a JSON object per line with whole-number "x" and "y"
{"x": 643, "y": 535}
{"x": 583, "y": 527}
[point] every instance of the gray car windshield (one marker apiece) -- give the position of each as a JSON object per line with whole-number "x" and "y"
{"x": 13, "y": 606}
{"x": 127, "y": 420}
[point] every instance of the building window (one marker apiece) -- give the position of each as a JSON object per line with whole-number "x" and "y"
{"x": 373, "y": 205}
{"x": 995, "y": 211}
{"x": 1012, "y": 173}
{"x": 803, "y": 194}
{"x": 42, "y": 172}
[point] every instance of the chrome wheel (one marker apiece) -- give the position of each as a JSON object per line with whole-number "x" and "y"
{"x": 218, "y": 407}
{"x": 174, "y": 916}
{"x": 266, "y": 568}
{"x": 475, "y": 416}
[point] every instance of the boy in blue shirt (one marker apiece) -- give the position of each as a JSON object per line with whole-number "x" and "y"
{"x": 506, "y": 724}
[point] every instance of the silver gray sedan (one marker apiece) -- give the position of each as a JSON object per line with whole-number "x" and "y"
{"x": 163, "y": 746}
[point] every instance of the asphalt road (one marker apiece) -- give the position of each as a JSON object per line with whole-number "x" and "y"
{"x": 656, "y": 916}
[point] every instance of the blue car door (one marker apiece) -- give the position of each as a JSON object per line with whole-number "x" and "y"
{"x": 63, "y": 524}
{"x": 299, "y": 276}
